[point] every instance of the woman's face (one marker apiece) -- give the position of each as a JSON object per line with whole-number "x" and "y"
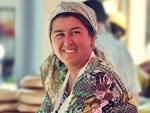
{"x": 71, "y": 41}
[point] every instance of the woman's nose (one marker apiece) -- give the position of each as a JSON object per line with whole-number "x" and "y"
{"x": 68, "y": 39}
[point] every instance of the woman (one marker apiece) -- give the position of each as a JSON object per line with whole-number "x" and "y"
{"x": 75, "y": 77}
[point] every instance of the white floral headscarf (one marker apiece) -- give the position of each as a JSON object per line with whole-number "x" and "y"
{"x": 76, "y": 7}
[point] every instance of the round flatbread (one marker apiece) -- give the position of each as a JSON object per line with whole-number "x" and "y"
{"x": 8, "y": 96}
{"x": 34, "y": 97}
{"x": 8, "y": 107}
{"x": 27, "y": 108}
{"x": 31, "y": 82}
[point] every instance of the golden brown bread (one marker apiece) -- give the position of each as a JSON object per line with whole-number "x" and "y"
{"x": 8, "y": 107}
{"x": 31, "y": 82}
{"x": 22, "y": 107}
{"x": 8, "y": 95}
{"x": 30, "y": 96}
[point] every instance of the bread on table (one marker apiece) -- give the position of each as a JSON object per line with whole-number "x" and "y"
{"x": 8, "y": 95}
{"x": 30, "y": 96}
{"x": 31, "y": 81}
{"x": 22, "y": 107}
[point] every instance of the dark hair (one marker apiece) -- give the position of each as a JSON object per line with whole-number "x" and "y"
{"x": 97, "y": 6}
{"x": 83, "y": 20}
{"x": 115, "y": 28}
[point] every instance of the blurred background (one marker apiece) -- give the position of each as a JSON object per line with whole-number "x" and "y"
{"x": 24, "y": 41}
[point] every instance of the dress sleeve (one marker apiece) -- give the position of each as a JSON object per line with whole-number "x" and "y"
{"x": 46, "y": 106}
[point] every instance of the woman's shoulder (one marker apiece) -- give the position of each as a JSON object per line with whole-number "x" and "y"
{"x": 100, "y": 65}
{"x": 98, "y": 74}
{"x": 95, "y": 70}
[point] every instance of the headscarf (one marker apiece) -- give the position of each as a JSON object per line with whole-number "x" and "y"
{"x": 53, "y": 71}
{"x": 77, "y": 7}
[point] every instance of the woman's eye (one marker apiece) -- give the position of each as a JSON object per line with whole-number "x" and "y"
{"x": 59, "y": 35}
{"x": 74, "y": 33}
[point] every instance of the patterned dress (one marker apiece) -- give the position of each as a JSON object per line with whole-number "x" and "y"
{"x": 94, "y": 91}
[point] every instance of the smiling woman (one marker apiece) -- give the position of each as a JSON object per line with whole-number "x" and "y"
{"x": 76, "y": 79}
{"x": 71, "y": 41}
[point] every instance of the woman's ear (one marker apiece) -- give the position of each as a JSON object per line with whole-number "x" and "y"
{"x": 93, "y": 41}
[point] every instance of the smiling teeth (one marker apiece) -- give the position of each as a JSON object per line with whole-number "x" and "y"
{"x": 69, "y": 51}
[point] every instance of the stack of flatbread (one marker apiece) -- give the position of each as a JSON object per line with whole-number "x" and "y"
{"x": 8, "y": 101}
{"x": 30, "y": 94}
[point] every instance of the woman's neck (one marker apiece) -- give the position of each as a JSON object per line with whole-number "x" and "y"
{"x": 74, "y": 72}
{"x": 72, "y": 77}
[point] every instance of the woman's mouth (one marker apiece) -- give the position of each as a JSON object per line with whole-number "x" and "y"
{"x": 69, "y": 50}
